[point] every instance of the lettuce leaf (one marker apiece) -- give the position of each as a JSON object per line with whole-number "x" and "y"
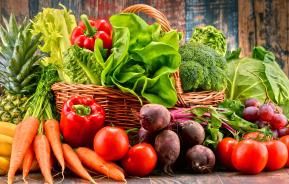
{"x": 80, "y": 66}
{"x": 142, "y": 60}
{"x": 55, "y": 27}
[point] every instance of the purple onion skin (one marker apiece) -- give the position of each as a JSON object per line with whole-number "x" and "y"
{"x": 154, "y": 117}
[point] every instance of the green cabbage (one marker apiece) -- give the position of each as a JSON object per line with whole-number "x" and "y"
{"x": 258, "y": 77}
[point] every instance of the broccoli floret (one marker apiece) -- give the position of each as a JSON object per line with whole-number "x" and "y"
{"x": 202, "y": 68}
{"x": 199, "y": 53}
{"x": 218, "y": 78}
{"x": 192, "y": 76}
{"x": 212, "y": 37}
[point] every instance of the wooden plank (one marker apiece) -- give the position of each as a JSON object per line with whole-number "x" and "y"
{"x": 19, "y": 8}
{"x": 265, "y": 23}
{"x": 174, "y": 10}
{"x": 223, "y": 14}
{"x": 246, "y": 22}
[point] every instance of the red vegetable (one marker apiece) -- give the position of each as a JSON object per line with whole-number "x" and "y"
{"x": 140, "y": 160}
{"x": 85, "y": 34}
{"x": 285, "y": 140}
{"x": 111, "y": 143}
{"x": 81, "y": 118}
{"x": 250, "y": 156}
{"x": 277, "y": 155}
{"x": 224, "y": 151}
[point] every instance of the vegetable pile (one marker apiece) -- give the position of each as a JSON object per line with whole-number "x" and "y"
{"x": 248, "y": 132}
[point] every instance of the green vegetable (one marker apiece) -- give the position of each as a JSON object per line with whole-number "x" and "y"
{"x": 80, "y": 66}
{"x": 142, "y": 60}
{"x": 234, "y": 105}
{"x": 259, "y": 77}
{"x": 40, "y": 103}
{"x": 212, "y": 37}
{"x": 202, "y": 68}
{"x": 55, "y": 26}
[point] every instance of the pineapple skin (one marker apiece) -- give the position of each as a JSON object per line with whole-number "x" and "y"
{"x": 12, "y": 108}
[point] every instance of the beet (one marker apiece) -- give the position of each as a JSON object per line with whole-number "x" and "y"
{"x": 146, "y": 136}
{"x": 200, "y": 159}
{"x": 167, "y": 146}
{"x": 154, "y": 117}
{"x": 192, "y": 133}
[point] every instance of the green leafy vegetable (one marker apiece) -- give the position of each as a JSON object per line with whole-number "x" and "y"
{"x": 234, "y": 105}
{"x": 55, "y": 26}
{"x": 142, "y": 60}
{"x": 258, "y": 77}
{"x": 212, "y": 37}
{"x": 80, "y": 66}
{"x": 202, "y": 68}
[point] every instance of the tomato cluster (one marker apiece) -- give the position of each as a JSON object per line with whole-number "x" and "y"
{"x": 251, "y": 156}
{"x": 112, "y": 144}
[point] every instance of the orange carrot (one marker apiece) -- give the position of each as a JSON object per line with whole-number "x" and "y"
{"x": 94, "y": 162}
{"x": 34, "y": 166}
{"x": 23, "y": 138}
{"x": 27, "y": 162}
{"x": 52, "y": 132}
{"x": 74, "y": 164}
{"x": 42, "y": 153}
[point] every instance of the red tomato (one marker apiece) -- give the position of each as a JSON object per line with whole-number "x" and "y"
{"x": 224, "y": 151}
{"x": 254, "y": 135}
{"x": 277, "y": 155}
{"x": 140, "y": 160}
{"x": 250, "y": 156}
{"x": 111, "y": 143}
{"x": 285, "y": 140}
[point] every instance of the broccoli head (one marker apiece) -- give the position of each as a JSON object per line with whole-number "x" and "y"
{"x": 202, "y": 68}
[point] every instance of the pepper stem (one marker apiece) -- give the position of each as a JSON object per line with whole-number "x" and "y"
{"x": 82, "y": 110}
{"x": 90, "y": 31}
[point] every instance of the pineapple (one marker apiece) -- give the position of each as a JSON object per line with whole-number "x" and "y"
{"x": 19, "y": 69}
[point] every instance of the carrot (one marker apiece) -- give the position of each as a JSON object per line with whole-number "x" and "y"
{"x": 42, "y": 153}
{"x": 52, "y": 132}
{"x": 74, "y": 164}
{"x": 23, "y": 138}
{"x": 27, "y": 162}
{"x": 93, "y": 161}
{"x": 34, "y": 166}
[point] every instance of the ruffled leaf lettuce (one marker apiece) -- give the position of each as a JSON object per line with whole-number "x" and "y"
{"x": 55, "y": 27}
{"x": 142, "y": 60}
{"x": 81, "y": 66}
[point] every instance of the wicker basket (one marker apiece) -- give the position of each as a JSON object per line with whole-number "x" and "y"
{"x": 121, "y": 108}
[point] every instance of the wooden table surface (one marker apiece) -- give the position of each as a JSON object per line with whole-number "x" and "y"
{"x": 277, "y": 177}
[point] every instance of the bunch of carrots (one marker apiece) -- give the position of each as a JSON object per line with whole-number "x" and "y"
{"x": 39, "y": 133}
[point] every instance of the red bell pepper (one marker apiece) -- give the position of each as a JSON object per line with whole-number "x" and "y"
{"x": 81, "y": 118}
{"x": 85, "y": 34}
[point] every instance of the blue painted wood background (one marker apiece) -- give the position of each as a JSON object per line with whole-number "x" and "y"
{"x": 246, "y": 23}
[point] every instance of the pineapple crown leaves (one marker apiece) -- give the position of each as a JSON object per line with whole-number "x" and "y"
{"x": 19, "y": 70}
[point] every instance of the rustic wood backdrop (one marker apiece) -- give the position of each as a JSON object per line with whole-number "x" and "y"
{"x": 246, "y": 23}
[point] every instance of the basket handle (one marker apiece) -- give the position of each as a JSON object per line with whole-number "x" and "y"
{"x": 152, "y": 12}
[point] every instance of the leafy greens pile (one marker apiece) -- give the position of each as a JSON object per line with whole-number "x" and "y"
{"x": 55, "y": 27}
{"x": 259, "y": 77}
{"x": 142, "y": 60}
